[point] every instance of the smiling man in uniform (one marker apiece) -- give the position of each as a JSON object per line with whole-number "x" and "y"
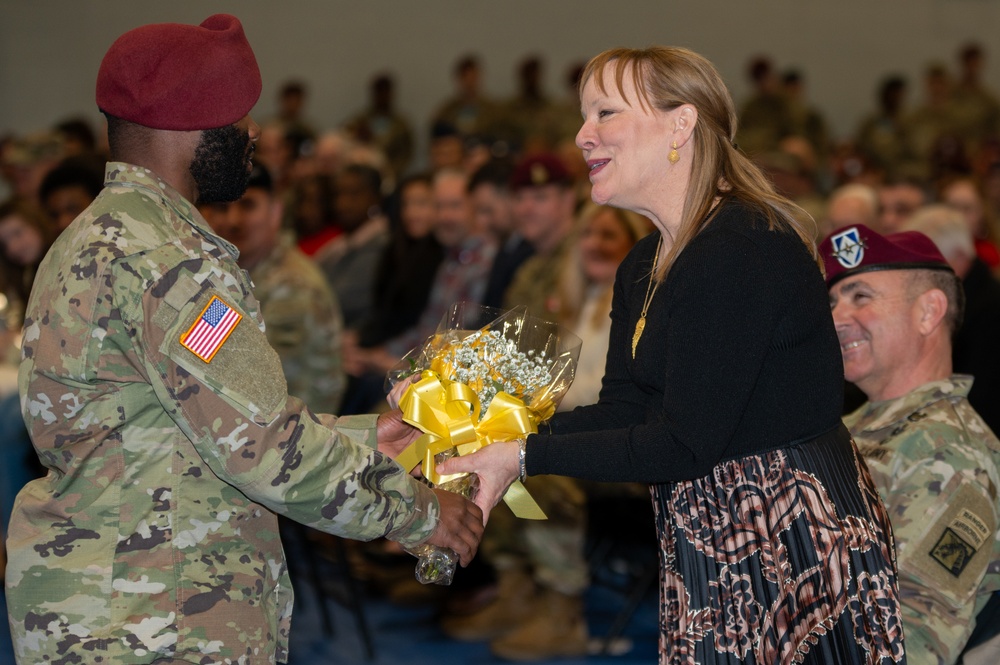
{"x": 896, "y": 304}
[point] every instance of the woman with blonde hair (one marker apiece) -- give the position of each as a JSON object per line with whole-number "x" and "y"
{"x": 585, "y": 288}
{"x": 722, "y": 389}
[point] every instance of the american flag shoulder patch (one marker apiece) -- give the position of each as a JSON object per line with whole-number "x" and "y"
{"x": 211, "y": 330}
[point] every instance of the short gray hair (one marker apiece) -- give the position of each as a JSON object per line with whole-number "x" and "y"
{"x": 946, "y": 227}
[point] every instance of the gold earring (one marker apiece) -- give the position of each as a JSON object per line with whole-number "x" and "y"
{"x": 674, "y": 156}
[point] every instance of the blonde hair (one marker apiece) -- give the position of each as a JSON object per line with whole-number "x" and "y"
{"x": 571, "y": 291}
{"x": 668, "y": 77}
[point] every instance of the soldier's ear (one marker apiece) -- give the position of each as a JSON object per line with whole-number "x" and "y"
{"x": 932, "y": 306}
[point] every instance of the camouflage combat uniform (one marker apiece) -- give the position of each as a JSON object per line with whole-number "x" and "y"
{"x": 536, "y": 281}
{"x": 304, "y": 325}
{"x": 153, "y": 534}
{"x": 935, "y": 464}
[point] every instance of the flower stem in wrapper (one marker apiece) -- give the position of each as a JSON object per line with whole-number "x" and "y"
{"x": 436, "y": 565}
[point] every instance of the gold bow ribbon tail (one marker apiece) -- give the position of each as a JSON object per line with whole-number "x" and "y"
{"x": 448, "y": 414}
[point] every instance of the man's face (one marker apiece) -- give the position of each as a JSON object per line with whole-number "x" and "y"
{"x": 896, "y": 204}
{"x": 876, "y": 319}
{"x": 222, "y": 163}
{"x": 66, "y": 203}
{"x": 354, "y": 200}
{"x": 540, "y": 214}
{"x": 492, "y": 208}
{"x": 252, "y": 224}
{"x": 453, "y": 214}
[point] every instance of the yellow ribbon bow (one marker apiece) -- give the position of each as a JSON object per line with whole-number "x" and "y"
{"x": 448, "y": 414}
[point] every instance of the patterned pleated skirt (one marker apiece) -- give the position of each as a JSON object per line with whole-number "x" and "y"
{"x": 782, "y": 557}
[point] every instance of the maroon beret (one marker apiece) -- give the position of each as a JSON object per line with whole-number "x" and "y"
{"x": 858, "y": 249}
{"x": 538, "y": 170}
{"x": 180, "y": 77}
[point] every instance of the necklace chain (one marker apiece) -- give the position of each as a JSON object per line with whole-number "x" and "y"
{"x": 640, "y": 325}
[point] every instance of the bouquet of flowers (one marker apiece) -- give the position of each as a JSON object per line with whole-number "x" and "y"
{"x": 485, "y": 376}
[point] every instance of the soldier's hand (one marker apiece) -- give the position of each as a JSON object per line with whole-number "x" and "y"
{"x": 393, "y": 434}
{"x": 461, "y": 526}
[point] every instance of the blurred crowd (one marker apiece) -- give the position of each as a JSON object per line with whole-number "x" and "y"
{"x": 357, "y": 246}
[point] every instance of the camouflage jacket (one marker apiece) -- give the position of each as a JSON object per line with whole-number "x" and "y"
{"x": 153, "y": 533}
{"x": 304, "y": 325}
{"x": 935, "y": 463}
{"x": 536, "y": 282}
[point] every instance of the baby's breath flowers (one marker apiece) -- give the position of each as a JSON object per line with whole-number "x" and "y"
{"x": 489, "y": 352}
{"x": 489, "y": 363}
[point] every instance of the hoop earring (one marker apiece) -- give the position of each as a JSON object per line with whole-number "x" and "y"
{"x": 674, "y": 156}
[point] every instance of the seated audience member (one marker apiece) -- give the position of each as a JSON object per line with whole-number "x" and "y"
{"x": 898, "y": 198}
{"x": 78, "y": 138}
{"x": 382, "y": 126}
{"x": 292, "y": 98}
{"x": 525, "y": 117}
{"x": 27, "y": 159}
{"x": 544, "y": 207}
{"x": 807, "y": 120}
{"x": 304, "y": 324}
{"x": 975, "y": 348}
{"x": 403, "y": 283}
{"x": 964, "y": 195}
{"x": 850, "y": 205}
{"x": 882, "y": 136}
{"x": 349, "y": 261}
{"x": 469, "y": 111}
{"x": 68, "y": 189}
{"x": 976, "y": 108}
{"x": 312, "y": 215}
{"x": 408, "y": 265}
{"x": 766, "y": 116}
{"x": 25, "y": 235}
{"x": 585, "y": 289}
{"x": 447, "y": 147}
{"x": 494, "y": 212}
{"x": 896, "y": 304}
{"x": 276, "y": 151}
{"x": 461, "y": 276}
{"x": 930, "y": 122}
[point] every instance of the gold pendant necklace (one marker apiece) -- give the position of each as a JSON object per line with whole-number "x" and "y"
{"x": 640, "y": 325}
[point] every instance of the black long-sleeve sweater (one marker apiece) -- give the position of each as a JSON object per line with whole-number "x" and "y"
{"x": 739, "y": 356}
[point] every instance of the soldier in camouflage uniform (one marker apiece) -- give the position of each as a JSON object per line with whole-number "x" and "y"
{"x": 304, "y": 324}
{"x": 153, "y": 397}
{"x": 935, "y": 462}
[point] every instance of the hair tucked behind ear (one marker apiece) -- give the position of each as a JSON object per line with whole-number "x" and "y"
{"x": 667, "y": 77}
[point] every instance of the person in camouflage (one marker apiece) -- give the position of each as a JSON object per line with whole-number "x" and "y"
{"x": 896, "y": 304}
{"x": 304, "y": 324}
{"x": 153, "y": 397}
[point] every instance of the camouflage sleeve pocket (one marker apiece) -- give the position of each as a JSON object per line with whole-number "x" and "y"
{"x": 213, "y": 339}
{"x": 952, "y": 553}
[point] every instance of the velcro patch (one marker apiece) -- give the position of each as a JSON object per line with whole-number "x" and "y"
{"x": 211, "y": 329}
{"x": 952, "y": 552}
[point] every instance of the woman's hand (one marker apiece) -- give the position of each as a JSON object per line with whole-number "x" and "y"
{"x": 497, "y": 466}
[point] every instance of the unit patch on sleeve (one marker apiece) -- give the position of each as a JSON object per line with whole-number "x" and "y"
{"x": 952, "y": 552}
{"x": 211, "y": 329}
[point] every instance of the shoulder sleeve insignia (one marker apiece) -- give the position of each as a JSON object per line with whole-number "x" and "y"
{"x": 211, "y": 329}
{"x": 952, "y": 552}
